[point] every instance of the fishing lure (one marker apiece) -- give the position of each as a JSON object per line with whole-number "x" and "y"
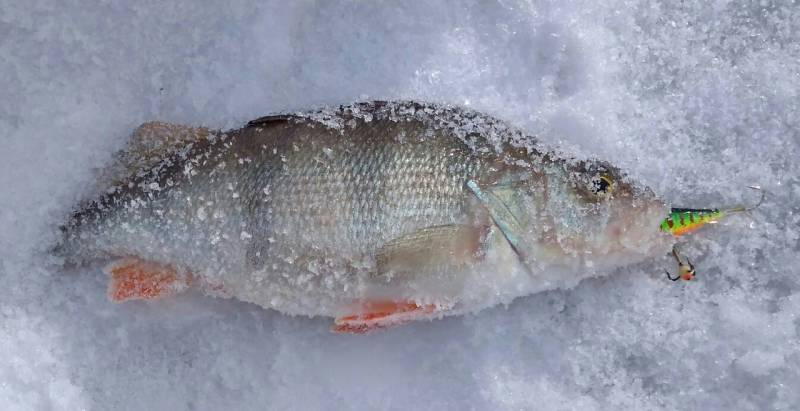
{"x": 685, "y": 220}
{"x": 685, "y": 270}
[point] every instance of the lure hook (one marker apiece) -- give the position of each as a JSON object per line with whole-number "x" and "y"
{"x": 753, "y": 207}
{"x": 686, "y": 270}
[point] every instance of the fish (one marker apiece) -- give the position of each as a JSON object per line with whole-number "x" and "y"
{"x": 374, "y": 213}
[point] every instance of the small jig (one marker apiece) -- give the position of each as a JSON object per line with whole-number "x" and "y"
{"x": 685, "y": 270}
{"x": 686, "y": 220}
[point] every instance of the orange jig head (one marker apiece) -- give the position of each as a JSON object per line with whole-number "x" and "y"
{"x": 685, "y": 270}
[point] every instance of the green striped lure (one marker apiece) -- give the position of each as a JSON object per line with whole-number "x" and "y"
{"x": 685, "y": 220}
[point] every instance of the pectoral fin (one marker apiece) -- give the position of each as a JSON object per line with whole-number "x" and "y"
{"x": 432, "y": 248}
{"x": 506, "y": 211}
{"x": 502, "y": 211}
{"x": 135, "y": 279}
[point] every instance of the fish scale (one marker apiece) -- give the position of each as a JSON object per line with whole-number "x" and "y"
{"x": 400, "y": 188}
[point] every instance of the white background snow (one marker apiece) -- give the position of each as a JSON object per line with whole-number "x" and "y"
{"x": 697, "y": 99}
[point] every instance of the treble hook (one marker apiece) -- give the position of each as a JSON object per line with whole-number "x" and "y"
{"x": 686, "y": 270}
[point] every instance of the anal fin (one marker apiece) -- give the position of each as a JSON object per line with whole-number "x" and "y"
{"x": 380, "y": 314}
{"x": 136, "y": 279}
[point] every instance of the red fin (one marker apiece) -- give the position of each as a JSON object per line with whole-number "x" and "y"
{"x": 377, "y": 315}
{"x": 135, "y": 279}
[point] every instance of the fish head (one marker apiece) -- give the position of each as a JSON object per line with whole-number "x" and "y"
{"x": 589, "y": 213}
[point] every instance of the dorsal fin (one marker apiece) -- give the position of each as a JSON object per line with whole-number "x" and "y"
{"x": 149, "y": 144}
{"x": 271, "y": 119}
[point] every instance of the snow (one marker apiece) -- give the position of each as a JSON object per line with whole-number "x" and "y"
{"x": 697, "y": 99}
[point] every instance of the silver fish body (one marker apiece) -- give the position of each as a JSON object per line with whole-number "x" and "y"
{"x": 311, "y": 213}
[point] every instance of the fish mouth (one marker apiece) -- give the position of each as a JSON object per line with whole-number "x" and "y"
{"x": 638, "y": 229}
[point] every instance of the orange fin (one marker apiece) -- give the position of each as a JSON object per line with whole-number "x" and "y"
{"x": 135, "y": 279}
{"x": 376, "y": 315}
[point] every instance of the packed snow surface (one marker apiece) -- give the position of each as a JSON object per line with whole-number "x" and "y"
{"x": 696, "y": 99}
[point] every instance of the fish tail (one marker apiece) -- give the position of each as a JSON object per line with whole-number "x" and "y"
{"x": 63, "y": 249}
{"x": 67, "y": 247}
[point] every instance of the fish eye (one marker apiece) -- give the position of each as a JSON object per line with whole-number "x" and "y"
{"x": 594, "y": 187}
{"x": 602, "y": 184}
